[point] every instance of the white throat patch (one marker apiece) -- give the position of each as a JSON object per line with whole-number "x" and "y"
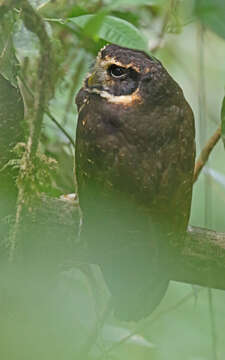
{"x": 130, "y": 99}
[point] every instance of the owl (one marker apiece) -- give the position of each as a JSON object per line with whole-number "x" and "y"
{"x": 135, "y": 152}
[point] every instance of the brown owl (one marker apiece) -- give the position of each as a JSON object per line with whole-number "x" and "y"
{"x": 135, "y": 152}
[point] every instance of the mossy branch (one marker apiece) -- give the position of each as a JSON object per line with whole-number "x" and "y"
{"x": 34, "y": 116}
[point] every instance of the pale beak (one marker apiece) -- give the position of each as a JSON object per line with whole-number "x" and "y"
{"x": 92, "y": 80}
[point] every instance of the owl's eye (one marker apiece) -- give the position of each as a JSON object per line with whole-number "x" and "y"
{"x": 117, "y": 71}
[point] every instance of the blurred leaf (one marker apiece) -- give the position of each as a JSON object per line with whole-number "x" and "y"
{"x": 25, "y": 42}
{"x": 212, "y": 14}
{"x": 117, "y": 3}
{"x": 223, "y": 121}
{"x": 135, "y": 347}
{"x": 216, "y": 175}
{"x": 8, "y": 60}
{"x": 115, "y": 30}
{"x": 39, "y": 3}
{"x": 77, "y": 10}
{"x": 112, "y": 333}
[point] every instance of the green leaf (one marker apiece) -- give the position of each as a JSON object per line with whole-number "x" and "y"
{"x": 114, "y": 30}
{"x": 94, "y": 24}
{"x": 223, "y": 121}
{"x": 212, "y": 14}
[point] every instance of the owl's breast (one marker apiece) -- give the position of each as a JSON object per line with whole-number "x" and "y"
{"x": 112, "y": 154}
{"x": 101, "y": 127}
{"x": 134, "y": 151}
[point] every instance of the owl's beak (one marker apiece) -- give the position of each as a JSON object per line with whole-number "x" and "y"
{"x": 92, "y": 80}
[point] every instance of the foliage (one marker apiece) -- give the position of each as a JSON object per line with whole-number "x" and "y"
{"x": 111, "y": 29}
{"x": 75, "y": 31}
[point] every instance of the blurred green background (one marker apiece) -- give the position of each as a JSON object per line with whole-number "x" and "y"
{"x": 189, "y": 38}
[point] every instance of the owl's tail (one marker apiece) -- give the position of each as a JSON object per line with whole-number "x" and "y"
{"x": 130, "y": 246}
{"x": 136, "y": 281}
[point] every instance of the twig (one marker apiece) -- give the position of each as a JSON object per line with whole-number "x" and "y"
{"x": 147, "y": 322}
{"x": 34, "y": 23}
{"x": 206, "y": 151}
{"x": 163, "y": 29}
{"x": 60, "y": 127}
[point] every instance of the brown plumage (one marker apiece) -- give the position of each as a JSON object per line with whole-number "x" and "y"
{"x": 135, "y": 153}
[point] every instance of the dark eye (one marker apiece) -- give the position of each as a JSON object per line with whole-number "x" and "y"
{"x": 117, "y": 71}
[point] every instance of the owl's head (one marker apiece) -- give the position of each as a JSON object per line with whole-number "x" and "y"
{"x": 123, "y": 75}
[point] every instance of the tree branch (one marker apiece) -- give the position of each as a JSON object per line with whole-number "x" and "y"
{"x": 25, "y": 180}
{"x": 201, "y": 261}
{"x": 34, "y": 23}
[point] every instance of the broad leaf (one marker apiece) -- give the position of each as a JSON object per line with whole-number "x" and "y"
{"x": 94, "y": 24}
{"x": 114, "y": 30}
